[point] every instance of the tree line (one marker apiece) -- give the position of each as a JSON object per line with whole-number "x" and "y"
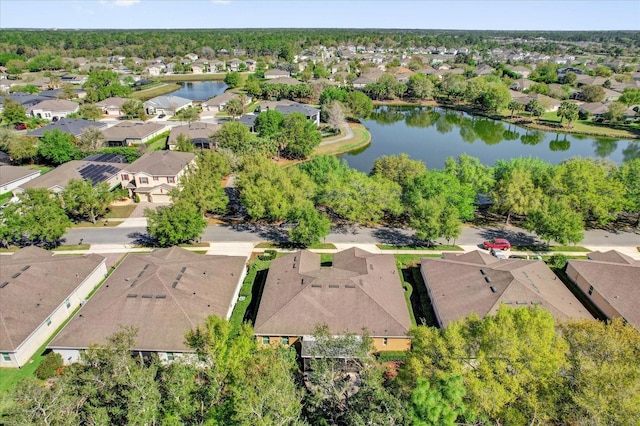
{"x": 514, "y": 367}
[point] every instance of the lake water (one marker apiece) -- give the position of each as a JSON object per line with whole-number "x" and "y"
{"x": 433, "y": 134}
{"x": 200, "y": 90}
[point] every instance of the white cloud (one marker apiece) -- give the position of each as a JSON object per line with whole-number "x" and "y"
{"x": 119, "y": 2}
{"x": 221, "y": 1}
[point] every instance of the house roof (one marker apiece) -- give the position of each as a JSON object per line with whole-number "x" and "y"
{"x": 195, "y": 131}
{"x": 615, "y": 277}
{"x": 73, "y": 126}
{"x": 596, "y": 107}
{"x": 60, "y": 105}
{"x": 360, "y": 291}
{"x": 276, "y": 72}
{"x": 477, "y": 282}
{"x": 221, "y": 99}
{"x": 24, "y": 99}
{"x": 283, "y": 80}
{"x": 288, "y": 107}
{"x": 75, "y": 169}
{"x": 10, "y": 174}
{"x": 163, "y": 294}
{"x": 167, "y": 102}
{"x": 130, "y": 130}
{"x": 112, "y": 103}
{"x": 161, "y": 163}
{"x": 37, "y": 282}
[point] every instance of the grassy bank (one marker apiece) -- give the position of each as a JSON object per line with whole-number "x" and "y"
{"x": 192, "y": 77}
{"x": 161, "y": 89}
{"x": 361, "y": 138}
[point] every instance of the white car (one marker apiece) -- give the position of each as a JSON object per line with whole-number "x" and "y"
{"x": 500, "y": 254}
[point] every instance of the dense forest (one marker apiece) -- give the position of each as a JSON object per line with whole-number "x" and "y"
{"x": 285, "y": 43}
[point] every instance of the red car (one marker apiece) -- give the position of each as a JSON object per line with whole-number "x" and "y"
{"x": 21, "y": 126}
{"x": 498, "y": 243}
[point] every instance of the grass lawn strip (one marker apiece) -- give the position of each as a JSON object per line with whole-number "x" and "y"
{"x": 438, "y": 247}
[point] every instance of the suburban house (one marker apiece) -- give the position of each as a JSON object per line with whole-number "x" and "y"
{"x": 485, "y": 69}
{"x": 38, "y": 292}
{"x": 289, "y": 81}
{"x": 166, "y": 104}
{"x": 128, "y": 133}
{"x": 53, "y": 109}
{"x": 287, "y": 107}
{"x": 609, "y": 280}
{"x": 12, "y": 177}
{"x": 234, "y": 64}
{"x": 199, "y": 133}
{"x": 276, "y": 73}
{"x": 73, "y": 126}
{"x": 476, "y": 282}
{"x": 596, "y": 110}
{"x": 156, "y": 173}
{"x": 112, "y": 106}
{"x": 57, "y": 179}
{"x": 218, "y": 103}
{"x": 523, "y": 72}
{"x": 163, "y": 294}
{"x": 547, "y": 102}
{"x": 522, "y": 84}
{"x": 360, "y": 291}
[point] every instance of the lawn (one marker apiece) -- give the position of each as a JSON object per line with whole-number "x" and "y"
{"x": 116, "y": 212}
{"x": 438, "y": 247}
{"x": 412, "y": 259}
{"x": 161, "y": 89}
{"x": 250, "y": 293}
{"x": 361, "y": 138}
{"x": 586, "y": 127}
{"x": 64, "y": 247}
{"x": 158, "y": 143}
{"x": 571, "y": 249}
{"x": 5, "y": 197}
{"x": 317, "y": 246}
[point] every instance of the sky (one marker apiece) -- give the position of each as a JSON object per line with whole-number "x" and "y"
{"x": 418, "y": 14}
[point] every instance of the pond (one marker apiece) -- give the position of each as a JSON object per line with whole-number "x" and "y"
{"x": 200, "y": 90}
{"x": 433, "y": 134}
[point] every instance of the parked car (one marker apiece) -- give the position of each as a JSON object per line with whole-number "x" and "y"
{"x": 162, "y": 116}
{"x": 21, "y": 126}
{"x": 497, "y": 243}
{"x": 499, "y": 254}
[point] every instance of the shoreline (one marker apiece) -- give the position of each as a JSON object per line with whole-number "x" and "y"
{"x": 522, "y": 121}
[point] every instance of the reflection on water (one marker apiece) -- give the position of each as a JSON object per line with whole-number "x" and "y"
{"x": 200, "y": 90}
{"x": 433, "y": 134}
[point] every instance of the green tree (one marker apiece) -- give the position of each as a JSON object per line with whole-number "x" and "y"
{"x": 555, "y": 220}
{"x": 440, "y": 403}
{"x": 57, "y": 147}
{"x": 630, "y": 96}
{"x": 515, "y": 106}
{"x": 103, "y": 84}
{"x": 310, "y": 225}
{"x": 90, "y": 112}
{"x": 91, "y": 140}
{"x": 269, "y": 123}
{"x": 84, "y": 200}
{"x": 516, "y": 192}
{"x": 201, "y": 185}
{"x": 23, "y": 149}
{"x": 37, "y": 404}
{"x": 234, "y": 108}
{"x": 568, "y": 110}
{"x": 232, "y": 135}
{"x": 534, "y": 108}
{"x": 189, "y": 114}
{"x": 133, "y": 108}
{"x": 592, "y": 93}
{"x": 399, "y": 168}
{"x": 421, "y": 87}
{"x": 175, "y": 224}
{"x": 233, "y": 79}
{"x": 334, "y": 114}
{"x": 15, "y": 66}
{"x": 603, "y": 373}
{"x": 470, "y": 171}
{"x": 495, "y": 97}
{"x": 38, "y": 218}
{"x": 629, "y": 175}
{"x": 603, "y": 71}
{"x": 570, "y": 79}
{"x": 616, "y": 112}
{"x": 184, "y": 143}
{"x": 12, "y": 112}
{"x": 301, "y": 136}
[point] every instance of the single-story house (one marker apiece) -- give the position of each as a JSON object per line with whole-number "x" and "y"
{"x": 73, "y": 126}
{"x": 610, "y": 281}
{"x": 289, "y": 81}
{"x": 217, "y": 103}
{"x": 57, "y": 179}
{"x": 112, "y": 106}
{"x": 523, "y": 72}
{"x": 53, "y": 109}
{"x": 476, "y": 282}
{"x": 163, "y": 294}
{"x": 485, "y": 69}
{"x": 58, "y": 93}
{"x": 128, "y": 133}
{"x": 249, "y": 120}
{"x": 198, "y": 132}
{"x": 12, "y": 177}
{"x": 156, "y": 173}
{"x": 361, "y": 290}
{"x": 276, "y": 73}
{"x": 166, "y": 104}
{"x": 289, "y": 107}
{"x": 522, "y": 84}
{"x": 38, "y": 292}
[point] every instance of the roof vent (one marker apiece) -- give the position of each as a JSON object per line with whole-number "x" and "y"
{"x": 4, "y": 284}
{"x": 16, "y": 275}
{"x": 184, "y": 268}
{"x": 295, "y": 258}
{"x": 302, "y": 281}
{"x": 522, "y": 303}
{"x": 483, "y": 272}
{"x": 493, "y": 289}
{"x": 371, "y": 266}
{"x": 161, "y": 296}
{"x": 178, "y": 277}
{"x": 175, "y": 284}
{"x": 487, "y": 279}
{"x": 134, "y": 283}
{"x": 294, "y": 265}
{"x": 147, "y": 296}
{"x": 349, "y": 286}
{"x": 146, "y": 266}
{"x": 131, "y": 295}
{"x": 140, "y": 274}
{"x": 316, "y": 285}
{"x": 24, "y": 268}
{"x": 334, "y": 286}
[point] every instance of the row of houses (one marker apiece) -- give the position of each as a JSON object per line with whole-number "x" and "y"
{"x": 170, "y": 291}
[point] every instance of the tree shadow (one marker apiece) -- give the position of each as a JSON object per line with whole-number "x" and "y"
{"x": 144, "y": 240}
{"x": 256, "y": 294}
{"x": 516, "y": 238}
{"x": 396, "y": 237}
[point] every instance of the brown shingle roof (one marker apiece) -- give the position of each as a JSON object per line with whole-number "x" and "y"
{"x": 475, "y": 282}
{"x": 360, "y": 291}
{"x": 162, "y": 310}
{"x": 161, "y": 163}
{"x": 130, "y": 130}
{"x": 616, "y": 277}
{"x": 10, "y": 174}
{"x": 37, "y": 282}
{"x": 194, "y": 131}
{"x": 74, "y": 169}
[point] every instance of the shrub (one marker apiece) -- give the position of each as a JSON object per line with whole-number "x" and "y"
{"x": 49, "y": 366}
{"x": 268, "y": 255}
{"x": 386, "y": 356}
{"x": 136, "y": 198}
{"x": 558, "y": 261}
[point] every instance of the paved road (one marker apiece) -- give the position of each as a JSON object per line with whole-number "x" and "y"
{"x": 357, "y": 235}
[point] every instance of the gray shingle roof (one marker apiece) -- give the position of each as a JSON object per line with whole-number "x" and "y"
{"x": 73, "y": 126}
